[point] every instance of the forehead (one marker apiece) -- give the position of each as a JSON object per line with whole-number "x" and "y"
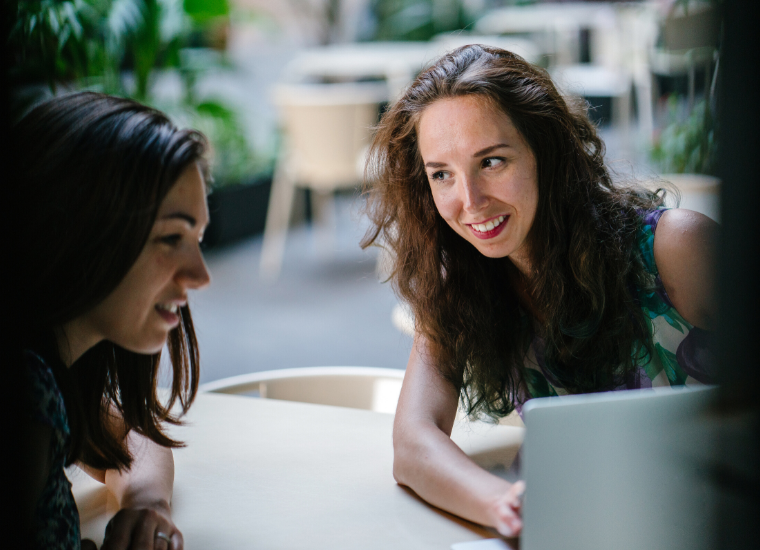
{"x": 464, "y": 123}
{"x": 187, "y": 195}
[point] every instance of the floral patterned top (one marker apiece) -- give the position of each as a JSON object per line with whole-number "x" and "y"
{"x": 682, "y": 352}
{"x": 56, "y": 519}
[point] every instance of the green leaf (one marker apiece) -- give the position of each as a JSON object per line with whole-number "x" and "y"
{"x": 63, "y": 38}
{"x": 674, "y": 372}
{"x": 538, "y": 385}
{"x": 74, "y": 24}
{"x": 53, "y": 22}
{"x": 202, "y": 11}
{"x": 653, "y": 367}
{"x": 673, "y": 322}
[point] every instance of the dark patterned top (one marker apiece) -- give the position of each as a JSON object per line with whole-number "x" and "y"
{"x": 56, "y": 519}
{"x": 682, "y": 352}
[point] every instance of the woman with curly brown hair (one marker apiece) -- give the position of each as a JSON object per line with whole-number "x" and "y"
{"x": 529, "y": 272}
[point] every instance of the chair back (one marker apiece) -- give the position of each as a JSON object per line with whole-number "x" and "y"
{"x": 327, "y": 128}
{"x": 373, "y": 389}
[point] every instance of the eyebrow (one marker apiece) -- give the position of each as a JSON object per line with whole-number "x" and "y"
{"x": 489, "y": 149}
{"x": 480, "y": 153}
{"x": 180, "y": 216}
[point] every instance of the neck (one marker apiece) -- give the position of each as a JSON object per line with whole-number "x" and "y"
{"x": 520, "y": 282}
{"x": 74, "y": 338}
{"x": 521, "y": 260}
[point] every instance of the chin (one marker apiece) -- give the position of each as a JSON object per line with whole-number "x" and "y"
{"x": 150, "y": 346}
{"x": 493, "y": 253}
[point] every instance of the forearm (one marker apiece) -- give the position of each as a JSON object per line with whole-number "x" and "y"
{"x": 150, "y": 480}
{"x": 430, "y": 463}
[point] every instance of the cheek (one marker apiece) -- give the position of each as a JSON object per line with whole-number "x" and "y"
{"x": 445, "y": 204}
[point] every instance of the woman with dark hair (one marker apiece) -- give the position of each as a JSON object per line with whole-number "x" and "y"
{"x": 114, "y": 206}
{"x": 529, "y": 272}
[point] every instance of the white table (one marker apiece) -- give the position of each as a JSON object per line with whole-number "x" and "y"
{"x": 396, "y": 62}
{"x": 261, "y": 473}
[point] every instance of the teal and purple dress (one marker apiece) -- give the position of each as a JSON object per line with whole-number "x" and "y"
{"x": 682, "y": 352}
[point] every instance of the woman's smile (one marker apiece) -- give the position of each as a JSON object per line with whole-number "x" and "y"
{"x": 490, "y": 228}
{"x": 169, "y": 312}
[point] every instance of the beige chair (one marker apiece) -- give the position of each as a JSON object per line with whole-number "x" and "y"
{"x": 368, "y": 388}
{"x": 327, "y": 129}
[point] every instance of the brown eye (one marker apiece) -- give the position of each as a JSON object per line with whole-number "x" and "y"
{"x": 171, "y": 240}
{"x": 492, "y": 162}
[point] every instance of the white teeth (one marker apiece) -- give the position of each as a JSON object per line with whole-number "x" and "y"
{"x": 172, "y": 308}
{"x": 489, "y": 225}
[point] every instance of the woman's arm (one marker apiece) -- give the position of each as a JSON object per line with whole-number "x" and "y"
{"x": 144, "y": 495}
{"x": 684, "y": 251}
{"x": 429, "y": 462}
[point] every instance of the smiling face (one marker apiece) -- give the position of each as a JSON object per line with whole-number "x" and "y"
{"x": 482, "y": 175}
{"x": 143, "y": 308}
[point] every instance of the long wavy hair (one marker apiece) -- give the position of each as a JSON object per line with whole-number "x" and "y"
{"x": 582, "y": 243}
{"x": 91, "y": 172}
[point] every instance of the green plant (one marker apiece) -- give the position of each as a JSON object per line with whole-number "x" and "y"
{"x": 90, "y": 41}
{"x": 95, "y": 43}
{"x": 48, "y": 39}
{"x": 232, "y": 159}
{"x": 687, "y": 143}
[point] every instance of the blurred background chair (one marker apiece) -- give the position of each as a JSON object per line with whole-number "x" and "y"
{"x": 368, "y": 388}
{"x": 523, "y": 47}
{"x": 326, "y": 131}
{"x": 598, "y": 51}
{"x": 395, "y": 63}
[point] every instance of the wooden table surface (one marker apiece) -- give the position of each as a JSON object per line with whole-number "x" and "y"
{"x": 262, "y": 473}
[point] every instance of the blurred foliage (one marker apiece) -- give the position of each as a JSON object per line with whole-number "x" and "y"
{"x": 203, "y": 11}
{"x": 91, "y": 41}
{"x": 117, "y": 46}
{"x": 232, "y": 160}
{"x": 687, "y": 143}
{"x": 417, "y": 19}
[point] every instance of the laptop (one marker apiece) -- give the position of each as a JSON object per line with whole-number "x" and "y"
{"x": 620, "y": 470}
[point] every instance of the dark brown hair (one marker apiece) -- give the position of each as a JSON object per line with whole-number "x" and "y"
{"x": 91, "y": 172}
{"x": 582, "y": 242}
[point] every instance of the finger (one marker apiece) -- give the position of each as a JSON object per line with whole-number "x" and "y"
{"x": 508, "y": 522}
{"x": 178, "y": 542}
{"x": 161, "y": 541}
{"x": 509, "y": 526}
{"x": 517, "y": 492}
{"x": 118, "y": 531}
{"x": 148, "y": 524}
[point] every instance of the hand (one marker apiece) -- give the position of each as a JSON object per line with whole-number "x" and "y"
{"x": 138, "y": 529}
{"x": 506, "y": 511}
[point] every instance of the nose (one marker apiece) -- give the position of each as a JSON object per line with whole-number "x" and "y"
{"x": 194, "y": 274}
{"x": 474, "y": 199}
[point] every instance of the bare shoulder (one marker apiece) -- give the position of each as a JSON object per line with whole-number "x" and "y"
{"x": 684, "y": 251}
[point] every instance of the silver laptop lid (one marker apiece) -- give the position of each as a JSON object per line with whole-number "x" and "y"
{"x": 619, "y": 470}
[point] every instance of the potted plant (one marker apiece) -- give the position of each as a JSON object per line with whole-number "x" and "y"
{"x": 116, "y": 46}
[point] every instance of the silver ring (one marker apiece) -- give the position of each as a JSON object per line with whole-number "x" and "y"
{"x": 163, "y": 536}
